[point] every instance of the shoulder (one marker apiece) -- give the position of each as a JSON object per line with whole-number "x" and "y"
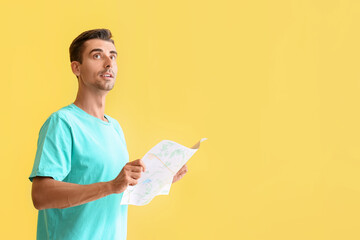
{"x": 65, "y": 113}
{"x": 55, "y": 127}
{"x": 59, "y": 118}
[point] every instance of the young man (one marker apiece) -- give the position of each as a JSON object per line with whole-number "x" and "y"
{"x": 82, "y": 165}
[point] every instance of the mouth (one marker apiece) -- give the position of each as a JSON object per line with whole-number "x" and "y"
{"x": 107, "y": 75}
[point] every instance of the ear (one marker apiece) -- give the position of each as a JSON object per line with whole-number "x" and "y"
{"x": 75, "y": 67}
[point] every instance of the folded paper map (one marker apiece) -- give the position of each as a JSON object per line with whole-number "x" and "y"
{"x": 162, "y": 162}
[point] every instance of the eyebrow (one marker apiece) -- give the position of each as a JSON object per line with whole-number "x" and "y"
{"x": 100, "y": 50}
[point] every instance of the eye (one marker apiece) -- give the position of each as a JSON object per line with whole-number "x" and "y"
{"x": 113, "y": 57}
{"x": 96, "y": 56}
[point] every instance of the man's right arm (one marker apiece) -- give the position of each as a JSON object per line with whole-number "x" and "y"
{"x": 50, "y": 193}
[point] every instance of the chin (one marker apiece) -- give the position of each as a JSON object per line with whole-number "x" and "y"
{"x": 105, "y": 87}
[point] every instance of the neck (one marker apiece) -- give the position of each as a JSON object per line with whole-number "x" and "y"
{"x": 92, "y": 103}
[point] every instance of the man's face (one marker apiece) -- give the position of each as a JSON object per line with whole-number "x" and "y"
{"x": 98, "y": 68}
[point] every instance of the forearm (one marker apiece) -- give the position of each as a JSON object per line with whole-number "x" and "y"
{"x": 49, "y": 193}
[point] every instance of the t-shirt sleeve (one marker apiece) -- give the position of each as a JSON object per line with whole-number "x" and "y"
{"x": 53, "y": 155}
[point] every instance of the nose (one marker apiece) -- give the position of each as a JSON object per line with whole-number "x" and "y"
{"x": 108, "y": 63}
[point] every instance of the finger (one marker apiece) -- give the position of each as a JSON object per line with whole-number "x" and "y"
{"x": 142, "y": 165}
{"x": 136, "y": 169}
{"x": 183, "y": 170}
{"x": 135, "y": 162}
{"x": 135, "y": 175}
{"x": 182, "y": 175}
{"x": 139, "y": 162}
{"x": 133, "y": 182}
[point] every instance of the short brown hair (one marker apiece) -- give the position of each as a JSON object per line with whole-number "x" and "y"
{"x": 77, "y": 46}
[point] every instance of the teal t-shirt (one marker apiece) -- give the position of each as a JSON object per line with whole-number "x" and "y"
{"x": 77, "y": 147}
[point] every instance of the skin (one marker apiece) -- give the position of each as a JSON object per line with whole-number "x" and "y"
{"x": 98, "y": 59}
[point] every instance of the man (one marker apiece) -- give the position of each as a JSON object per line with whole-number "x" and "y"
{"x": 82, "y": 165}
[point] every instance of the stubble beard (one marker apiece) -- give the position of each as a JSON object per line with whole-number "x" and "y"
{"x": 105, "y": 86}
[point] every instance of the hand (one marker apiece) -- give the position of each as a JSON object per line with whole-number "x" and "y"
{"x": 128, "y": 176}
{"x": 180, "y": 173}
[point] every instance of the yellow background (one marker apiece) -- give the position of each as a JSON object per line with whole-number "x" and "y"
{"x": 274, "y": 86}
